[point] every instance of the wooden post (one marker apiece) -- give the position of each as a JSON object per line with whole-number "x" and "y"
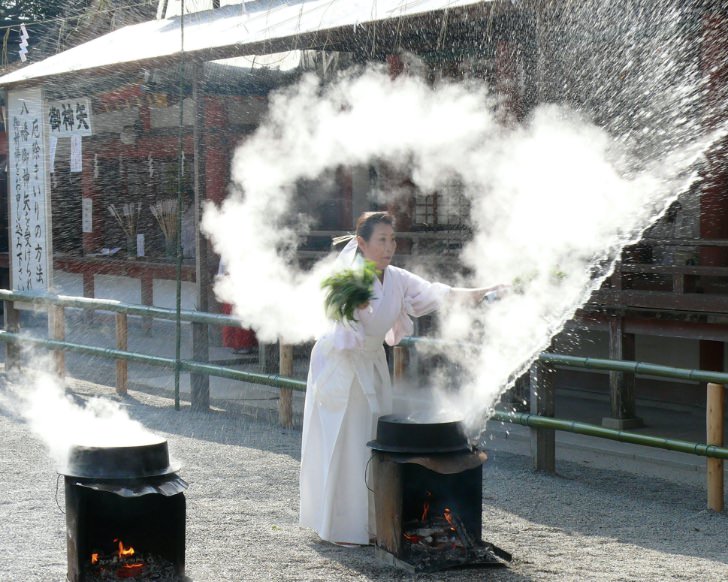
{"x": 122, "y": 366}
{"x": 57, "y": 325}
{"x": 267, "y": 357}
{"x": 12, "y": 324}
{"x": 401, "y": 359}
{"x": 146, "y": 280}
{"x": 543, "y": 440}
{"x": 89, "y": 290}
{"x": 200, "y": 383}
{"x": 714, "y": 430}
{"x": 285, "y": 402}
{"x": 621, "y": 384}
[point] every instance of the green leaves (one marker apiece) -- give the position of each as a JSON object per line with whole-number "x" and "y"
{"x": 348, "y": 290}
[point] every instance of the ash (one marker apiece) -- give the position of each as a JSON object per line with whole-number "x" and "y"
{"x": 151, "y": 569}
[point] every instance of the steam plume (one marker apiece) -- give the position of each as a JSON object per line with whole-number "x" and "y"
{"x": 61, "y": 423}
{"x": 553, "y": 201}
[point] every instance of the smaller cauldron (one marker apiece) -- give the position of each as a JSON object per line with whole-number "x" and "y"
{"x": 403, "y": 434}
{"x": 127, "y": 462}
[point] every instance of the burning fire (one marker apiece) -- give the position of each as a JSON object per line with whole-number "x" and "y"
{"x": 426, "y": 507}
{"x": 434, "y": 530}
{"x": 130, "y": 570}
{"x": 123, "y": 561}
{"x": 124, "y": 552}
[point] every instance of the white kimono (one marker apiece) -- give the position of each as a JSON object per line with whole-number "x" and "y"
{"x": 348, "y": 388}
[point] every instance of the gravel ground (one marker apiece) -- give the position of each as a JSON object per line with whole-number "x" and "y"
{"x": 582, "y": 524}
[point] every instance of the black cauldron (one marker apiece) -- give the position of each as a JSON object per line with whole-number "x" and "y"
{"x": 130, "y": 462}
{"x": 403, "y": 434}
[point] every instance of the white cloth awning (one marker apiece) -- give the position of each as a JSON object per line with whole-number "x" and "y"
{"x": 228, "y": 29}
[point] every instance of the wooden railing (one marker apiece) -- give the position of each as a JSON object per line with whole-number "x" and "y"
{"x": 668, "y": 287}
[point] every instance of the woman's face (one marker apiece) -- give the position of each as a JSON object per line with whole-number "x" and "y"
{"x": 380, "y": 247}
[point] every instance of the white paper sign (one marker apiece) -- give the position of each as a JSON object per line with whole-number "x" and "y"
{"x": 52, "y": 144}
{"x": 30, "y": 238}
{"x": 87, "y": 206}
{"x": 140, "y": 245}
{"x": 76, "y": 153}
{"x": 69, "y": 117}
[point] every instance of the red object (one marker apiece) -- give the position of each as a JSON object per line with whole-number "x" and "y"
{"x": 237, "y": 338}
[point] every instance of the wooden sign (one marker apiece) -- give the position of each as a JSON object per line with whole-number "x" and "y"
{"x": 69, "y": 117}
{"x": 30, "y": 232}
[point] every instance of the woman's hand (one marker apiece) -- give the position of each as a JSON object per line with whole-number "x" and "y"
{"x": 491, "y": 294}
{"x": 477, "y": 296}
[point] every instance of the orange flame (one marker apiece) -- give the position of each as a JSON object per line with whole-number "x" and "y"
{"x": 124, "y": 552}
{"x": 94, "y": 558}
{"x": 425, "y": 511}
{"x": 426, "y": 507}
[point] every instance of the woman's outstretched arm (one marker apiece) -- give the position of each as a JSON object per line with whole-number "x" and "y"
{"x": 476, "y": 296}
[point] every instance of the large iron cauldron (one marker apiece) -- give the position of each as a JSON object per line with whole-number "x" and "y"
{"x": 129, "y": 462}
{"x": 403, "y": 434}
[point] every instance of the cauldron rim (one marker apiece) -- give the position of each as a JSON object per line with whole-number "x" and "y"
{"x": 397, "y": 433}
{"x": 384, "y": 448}
{"x": 156, "y": 452}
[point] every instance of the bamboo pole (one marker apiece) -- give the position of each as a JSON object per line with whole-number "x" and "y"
{"x": 285, "y": 402}
{"x": 57, "y": 315}
{"x": 122, "y": 366}
{"x": 598, "y": 431}
{"x": 714, "y": 429}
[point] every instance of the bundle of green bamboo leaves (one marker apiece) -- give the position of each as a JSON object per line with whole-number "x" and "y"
{"x": 348, "y": 290}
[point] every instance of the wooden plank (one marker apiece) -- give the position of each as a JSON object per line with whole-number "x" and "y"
{"x": 653, "y": 327}
{"x": 699, "y": 270}
{"x": 387, "y": 486}
{"x": 706, "y": 303}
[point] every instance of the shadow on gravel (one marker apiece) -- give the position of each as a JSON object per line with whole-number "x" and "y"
{"x": 609, "y": 506}
{"x": 218, "y": 426}
{"x": 633, "y": 509}
{"x": 365, "y": 562}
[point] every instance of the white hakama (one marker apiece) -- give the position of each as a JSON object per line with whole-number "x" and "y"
{"x": 348, "y": 388}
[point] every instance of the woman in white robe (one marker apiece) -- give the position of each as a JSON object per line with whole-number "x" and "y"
{"x": 349, "y": 387}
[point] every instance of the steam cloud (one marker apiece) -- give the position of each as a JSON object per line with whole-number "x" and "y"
{"x": 553, "y": 200}
{"x": 62, "y": 423}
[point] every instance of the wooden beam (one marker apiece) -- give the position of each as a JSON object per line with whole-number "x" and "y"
{"x": 661, "y": 300}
